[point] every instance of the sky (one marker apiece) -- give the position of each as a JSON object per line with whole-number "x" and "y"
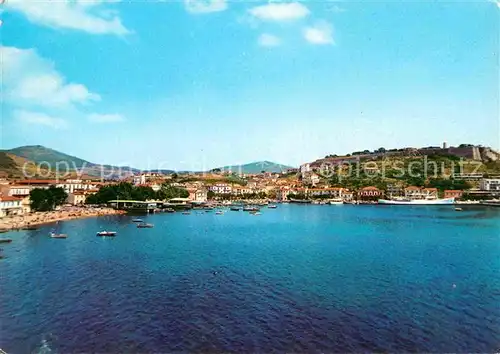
{"x": 196, "y": 84}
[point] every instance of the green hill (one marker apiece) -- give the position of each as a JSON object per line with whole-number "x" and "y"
{"x": 43, "y": 155}
{"x": 256, "y": 167}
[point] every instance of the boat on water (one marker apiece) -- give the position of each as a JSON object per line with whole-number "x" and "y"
{"x": 458, "y": 209}
{"x": 272, "y": 206}
{"x": 300, "y": 201}
{"x": 144, "y": 225}
{"x": 336, "y": 202}
{"x": 169, "y": 210}
{"x": 54, "y": 235}
{"x": 235, "y": 208}
{"x": 219, "y": 212}
{"x": 107, "y": 233}
{"x": 5, "y": 240}
{"x": 251, "y": 208}
{"x": 187, "y": 212}
{"x": 445, "y": 201}
{"x": 137, "y": 220}
{"x": 29, "y": 228}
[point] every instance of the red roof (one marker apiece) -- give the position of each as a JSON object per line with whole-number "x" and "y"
{"x": 9, "y": 198}
{"x": 37, "y": 181}
{"x": 370, "y": 188}
{"x": 412, "y": 188}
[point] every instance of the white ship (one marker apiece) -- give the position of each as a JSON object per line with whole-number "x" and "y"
{"x": 445, "y": 201}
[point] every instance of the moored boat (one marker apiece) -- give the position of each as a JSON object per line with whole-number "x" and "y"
{"x": 235, "y": 208}
{"x": 445, "y": 201}
{"x": 137, "y": 220}
{"x": 106, "y": 233}
{"x": 5, "y": 240}
{"x": 54, "y": 235}
{"x": 336, "y": 202}
{"x": 144, "y": 225}
{"x": 272, "y": 206}
{"x": 29, "y": 228}
{"x": 219, "y": 212}
{"x": 169, "y": 210}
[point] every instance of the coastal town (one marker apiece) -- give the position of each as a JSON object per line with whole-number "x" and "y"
{"x": 316, "y": 182}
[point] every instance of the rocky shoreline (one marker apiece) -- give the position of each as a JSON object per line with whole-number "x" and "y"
{"x": 40, "y": 218}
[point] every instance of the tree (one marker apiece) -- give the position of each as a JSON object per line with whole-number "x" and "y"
{"x": 210, "y": 195}
{"x": 47, "y": 199}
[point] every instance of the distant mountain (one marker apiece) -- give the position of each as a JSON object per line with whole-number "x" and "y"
{"x": 256, "y": 167}
{"x": 53, "y": 158}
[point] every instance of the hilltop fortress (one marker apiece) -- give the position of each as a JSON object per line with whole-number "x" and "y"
{"x": 467, "y": 151}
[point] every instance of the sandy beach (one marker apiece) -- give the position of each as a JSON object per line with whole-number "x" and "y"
{"x": 38, "y": 218}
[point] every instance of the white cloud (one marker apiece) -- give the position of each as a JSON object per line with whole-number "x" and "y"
{"x": 85, "y": 15}
{"x": 30, "y": 80}
{"x": 268, "y": 40}
{"x": 320, "y": 33}
{"x": 105, "y": 118}
{"x": 280, "y": 11}
{"x": 40, "y": 119}
{"x": 205, "y": 6}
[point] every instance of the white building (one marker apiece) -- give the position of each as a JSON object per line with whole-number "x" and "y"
{"x": 77, "y": 198}
{"x": 198, "y": 194}
{"x": 10, "y": 206}
{"x": 140, "y": 179}
{"x": 490, "y": 184}
{"x": 221, "y": 188}
{"x": 18, "y": 191}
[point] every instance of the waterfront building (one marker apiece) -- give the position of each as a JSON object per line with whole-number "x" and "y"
{"x": 394, "y": 190}
{"x": 18, "y": 191}
{"x": 10, "y": 206}
{"x": 76, "y": 197}
{"x": 490, "y": 184}
{"x": 369, "y": 192}
{"x": 198, "y": 194}
{"x": 452, "y": 193}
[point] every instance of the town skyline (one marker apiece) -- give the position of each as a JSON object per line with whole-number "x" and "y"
{"x": 215, "y": 83}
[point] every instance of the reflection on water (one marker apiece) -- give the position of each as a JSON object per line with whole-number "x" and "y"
{"x": 298, "y": 278}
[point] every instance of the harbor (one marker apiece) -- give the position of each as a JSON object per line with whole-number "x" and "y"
{"x": 218, "y": 267}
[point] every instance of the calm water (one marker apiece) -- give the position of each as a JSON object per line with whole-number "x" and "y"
{"x": 298, "y": 278}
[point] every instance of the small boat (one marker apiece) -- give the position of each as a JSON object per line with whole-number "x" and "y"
{"x": 107, "y": 233}
{"x": 272, "y": 206}
{"x": 250, "y": 208}
{"x": 144, "y": 225}
{"x": 169, "y": 210}
{"x": 235, "y": 208}
{"x": 336, "y": 202}
{"x": 445, "y": 201}
{"x": 257, "y": 213}
{"x": 5, "y": 240}
{"x": 458, "y": 209}
{"x": 29, "y": 228}
{"x": 219, "y": 212}
{"x": 137, "y": 220}
{"x": 54, "y": 235}
{"x": 186, "y": 212}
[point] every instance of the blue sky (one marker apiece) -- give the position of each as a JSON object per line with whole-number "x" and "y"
{"x": 198, "y": 84}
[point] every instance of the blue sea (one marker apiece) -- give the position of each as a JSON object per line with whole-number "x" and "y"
{"x": 300, "y": 278}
